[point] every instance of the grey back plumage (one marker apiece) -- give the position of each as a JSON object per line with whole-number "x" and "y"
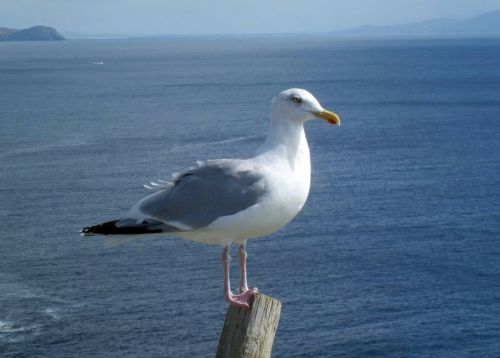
{"x": 201, "y": 195}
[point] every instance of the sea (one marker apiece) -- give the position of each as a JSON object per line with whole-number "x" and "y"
{"x": 395, "y": 254}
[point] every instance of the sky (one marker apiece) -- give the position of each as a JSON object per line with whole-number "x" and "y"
{"x": 141, "y": 17}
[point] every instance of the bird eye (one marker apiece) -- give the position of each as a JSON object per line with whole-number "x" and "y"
{"x": 296, "y": 99}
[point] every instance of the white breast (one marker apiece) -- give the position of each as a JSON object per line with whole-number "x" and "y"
{"x": 287, "y": 182}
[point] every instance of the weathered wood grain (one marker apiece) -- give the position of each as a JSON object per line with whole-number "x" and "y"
{"x": 250, "y": 333}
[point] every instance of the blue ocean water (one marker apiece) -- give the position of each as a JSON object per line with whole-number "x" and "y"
{"x": 396, "y": 253}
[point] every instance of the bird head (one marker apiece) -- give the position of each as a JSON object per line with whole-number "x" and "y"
{"x": 300, "y": 105}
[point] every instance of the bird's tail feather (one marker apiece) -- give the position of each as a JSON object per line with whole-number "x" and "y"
{"x": 128, "y": 227}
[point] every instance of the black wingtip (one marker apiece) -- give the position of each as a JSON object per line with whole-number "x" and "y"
{"x": 107, "y": 228}
{"x": 110, "y": 228}
{"x": 86, "y": 231}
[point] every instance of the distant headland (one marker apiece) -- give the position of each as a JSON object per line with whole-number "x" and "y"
{"x": 487, "y": 24}
{"x": 36, "y": 33}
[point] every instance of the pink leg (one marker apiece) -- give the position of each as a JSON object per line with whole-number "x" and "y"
{"x": 243, "y": 299}
{"x": 243, "y": 269}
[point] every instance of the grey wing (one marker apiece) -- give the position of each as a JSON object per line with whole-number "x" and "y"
{"x": 201, "y": 195}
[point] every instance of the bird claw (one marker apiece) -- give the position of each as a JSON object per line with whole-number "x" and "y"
{"x": 243, "y": 299}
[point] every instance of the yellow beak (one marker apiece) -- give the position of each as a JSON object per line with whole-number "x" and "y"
{"x": 328, "y": 116}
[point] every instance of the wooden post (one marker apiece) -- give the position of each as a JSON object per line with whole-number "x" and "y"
{"x": 250, "y": 333}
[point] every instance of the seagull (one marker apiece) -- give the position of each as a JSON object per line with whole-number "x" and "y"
{"x": 226, "y": 201}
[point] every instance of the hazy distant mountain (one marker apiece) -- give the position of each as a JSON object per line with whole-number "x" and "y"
{"x": 486, "y": 24}
{"x": 36, "y": 33}
{"x": 4, "y": 31}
